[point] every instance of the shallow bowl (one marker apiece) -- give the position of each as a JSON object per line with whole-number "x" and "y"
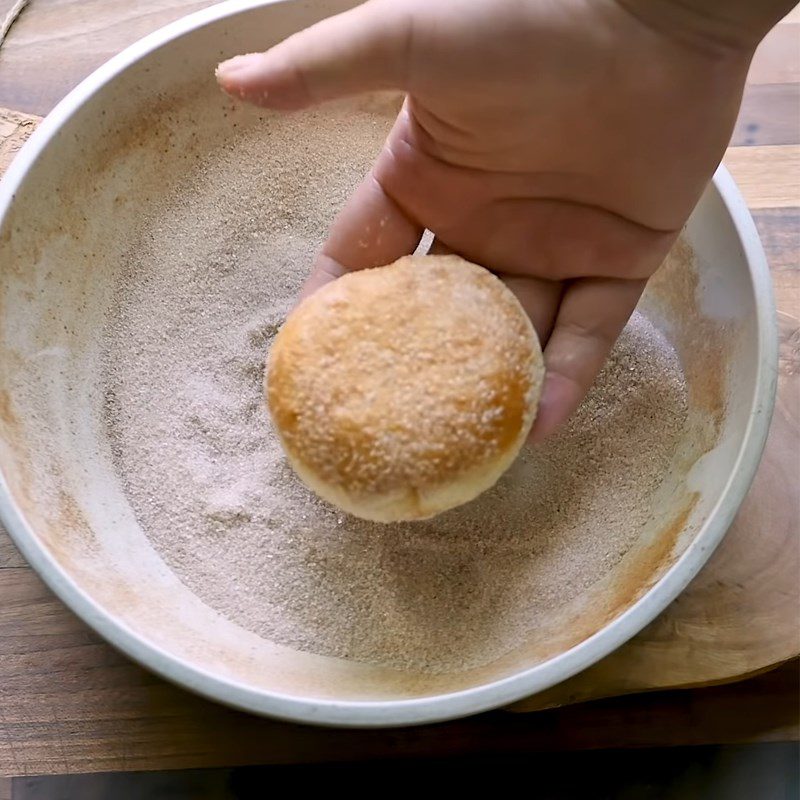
{"x": 95, "y": 168}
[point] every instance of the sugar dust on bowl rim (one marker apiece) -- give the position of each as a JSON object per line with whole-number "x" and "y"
{"x": 100, "y": 176}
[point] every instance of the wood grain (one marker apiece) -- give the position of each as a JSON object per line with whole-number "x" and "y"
{"x": 779, "y": 229}
{"x": 768, "y": 177}
{"x": 69, "y": 702}
{"x": 770, "y": 114}
{"x": 10, "y": 557}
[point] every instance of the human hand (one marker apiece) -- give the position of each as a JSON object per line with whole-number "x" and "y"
{"x": 560, "y": 144}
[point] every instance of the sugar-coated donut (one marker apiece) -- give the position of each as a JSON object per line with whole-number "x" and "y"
{"x": 403, "y": 391}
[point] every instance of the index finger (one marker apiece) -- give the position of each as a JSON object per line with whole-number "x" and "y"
{"x": 370, "y": 231}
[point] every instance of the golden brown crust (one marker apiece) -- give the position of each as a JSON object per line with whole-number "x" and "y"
{"x": 391, "y": 385}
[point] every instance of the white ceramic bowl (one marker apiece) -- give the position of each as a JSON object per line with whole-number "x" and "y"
{"x": 89, "y": 172}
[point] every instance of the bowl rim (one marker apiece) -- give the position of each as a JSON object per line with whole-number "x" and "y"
{"x": 433, "y": 708}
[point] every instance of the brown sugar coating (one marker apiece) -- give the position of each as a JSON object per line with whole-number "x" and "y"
{"x": 402, "y": 391}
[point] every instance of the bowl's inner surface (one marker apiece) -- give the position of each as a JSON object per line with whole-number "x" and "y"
{"x": 116, "y": 187}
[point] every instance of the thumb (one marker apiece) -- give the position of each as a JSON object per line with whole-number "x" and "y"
{"x": 361, "y": 50}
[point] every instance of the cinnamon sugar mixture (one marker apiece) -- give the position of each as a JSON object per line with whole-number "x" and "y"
{"x": 208, "y": 282}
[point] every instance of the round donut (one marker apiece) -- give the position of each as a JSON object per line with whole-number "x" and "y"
{"x": 403, "y": 391}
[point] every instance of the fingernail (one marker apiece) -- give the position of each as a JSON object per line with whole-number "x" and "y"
{"x": 237, "y": 64}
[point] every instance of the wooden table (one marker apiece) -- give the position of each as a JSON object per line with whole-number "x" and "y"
{"x": 95, "y": 710}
